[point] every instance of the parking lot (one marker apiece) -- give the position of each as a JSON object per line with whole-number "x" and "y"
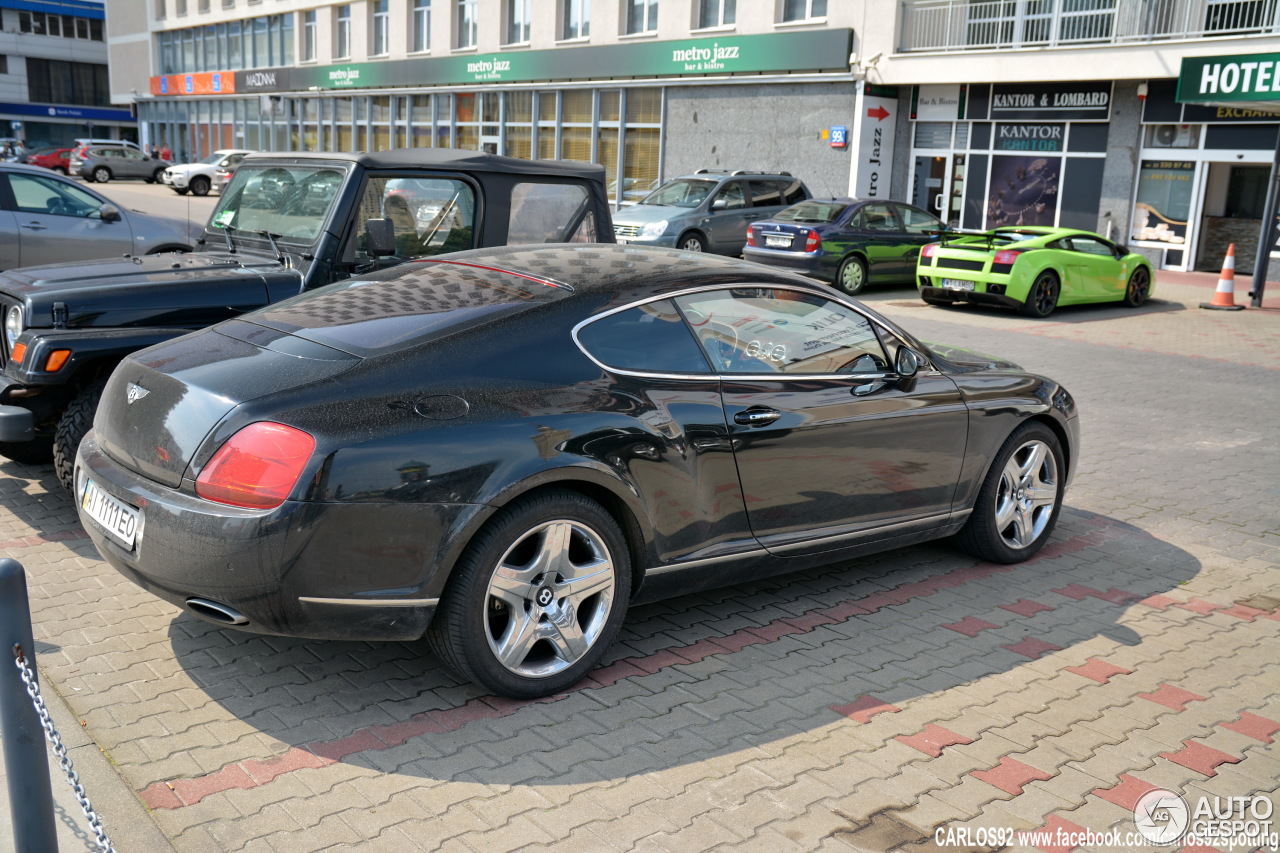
{"x": 912, "y": 700}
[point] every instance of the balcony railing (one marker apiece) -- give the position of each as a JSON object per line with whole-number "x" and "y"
{"x": 948, "y": 25}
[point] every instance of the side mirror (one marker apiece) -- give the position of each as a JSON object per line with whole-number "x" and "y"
{"x": 109, "y": 213}
{"x": 907, "y": 365}
{"x": 380, "y": 237}
{"x": 720, "y": 204}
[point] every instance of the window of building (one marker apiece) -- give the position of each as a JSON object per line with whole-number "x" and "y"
{"x": 518, "y": 14}
{"x": 52, "y": 81}
{"x": 642, "y": 16}
{"x": 342, "y": 32}
{"x": 716, "y": 13}
{"x": 421, "y": 25}
{"x": 66, "y": 26}
{"x": 803, "y": 10}
{"x": 576, "y": 19}
{"x": 180, "y": 6}
{"x": 381, "y": 28}
{"x": 160, "y": 10}
{"x": 309, "y": 36}
{"x": 4, "y": 64}
{"x": 202, "y": 5}
{"x": 465, "y": 11}
{"x": 228, "y": 4}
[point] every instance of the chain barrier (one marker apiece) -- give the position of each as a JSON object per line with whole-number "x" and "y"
{"x": 60, "y": 750}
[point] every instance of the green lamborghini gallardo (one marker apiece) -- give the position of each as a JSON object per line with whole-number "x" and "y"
{"x": 1032, "y": 269}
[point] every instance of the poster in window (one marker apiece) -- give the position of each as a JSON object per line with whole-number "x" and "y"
{"x": 1163, "y": 206}
{"x": 1024, "y": 191}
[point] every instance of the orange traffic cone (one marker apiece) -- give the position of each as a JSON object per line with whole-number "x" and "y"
{"x": 1224, "y": 298}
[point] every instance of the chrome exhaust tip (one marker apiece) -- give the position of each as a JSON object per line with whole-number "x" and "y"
{"x": 216, "y": 612}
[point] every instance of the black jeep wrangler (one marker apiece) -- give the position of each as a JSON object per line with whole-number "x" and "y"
{"x": 285, "y": 223}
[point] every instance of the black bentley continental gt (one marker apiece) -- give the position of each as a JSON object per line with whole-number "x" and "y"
{"x": 504, "y": 448}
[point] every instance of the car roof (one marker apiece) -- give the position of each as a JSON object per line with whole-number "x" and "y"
{"x": 443, "y": 158}
{"x": 724, "y": 175}
{"x": 35, "y": 170}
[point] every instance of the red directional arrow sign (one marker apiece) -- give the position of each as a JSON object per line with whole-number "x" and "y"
{"x": 878, "y": 113}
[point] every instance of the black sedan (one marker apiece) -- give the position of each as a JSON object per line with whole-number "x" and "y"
{"x": 504, "y": 448}
{"x": 850, "y": 242}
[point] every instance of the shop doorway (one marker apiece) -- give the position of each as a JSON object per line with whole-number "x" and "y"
{"x": 1235, "y": 196}
{"x": 938, "y": 186}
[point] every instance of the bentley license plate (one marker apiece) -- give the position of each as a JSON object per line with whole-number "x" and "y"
{"x": 956, "y": 284}
{"x": 114, "y": 515}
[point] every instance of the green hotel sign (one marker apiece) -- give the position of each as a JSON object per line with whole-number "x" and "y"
{"x": 1230, "y": 79}
{"x": 826, "y": 50}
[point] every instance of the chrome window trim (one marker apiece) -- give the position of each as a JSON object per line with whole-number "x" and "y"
{"x": 713, "y": 375}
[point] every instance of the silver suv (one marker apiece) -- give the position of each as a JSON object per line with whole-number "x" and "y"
{"x": 102, "y": 163}
{"x": 708, "y": 211}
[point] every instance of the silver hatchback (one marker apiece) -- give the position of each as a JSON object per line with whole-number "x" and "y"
{"x": 102, "y": 163}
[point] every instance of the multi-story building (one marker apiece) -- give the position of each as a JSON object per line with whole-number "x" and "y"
{"x": 985, "y": 111}
{"x": 53, "y": 73}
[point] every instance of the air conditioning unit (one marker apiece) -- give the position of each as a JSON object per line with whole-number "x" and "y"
{"x": 1173, "y": 136}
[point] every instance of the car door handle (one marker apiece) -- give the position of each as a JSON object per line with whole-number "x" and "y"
{"x": 757, "y": 417}
{"x": 34, "y": 226}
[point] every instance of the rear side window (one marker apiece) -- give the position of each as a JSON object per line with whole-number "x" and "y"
{"x": 792, "y": 192}
{"x": 650, "y": 337}
{"x": 428, "y": 215}
{"x": 766, "y": 194}
{"x": 546, "y": 213}
{"x": 917, "y": 221}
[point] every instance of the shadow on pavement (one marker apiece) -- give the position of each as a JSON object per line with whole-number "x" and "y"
{"x": 698, "y": 676}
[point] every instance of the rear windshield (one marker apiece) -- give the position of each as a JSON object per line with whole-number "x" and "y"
{"x": 401, "y": 307}
{"x": 1015, "y": 235}
{"x": 813, "y": 212}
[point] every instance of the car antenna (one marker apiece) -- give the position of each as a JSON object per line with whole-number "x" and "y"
{"x": 271, "y": 238}
{"x": 226, "y": 232}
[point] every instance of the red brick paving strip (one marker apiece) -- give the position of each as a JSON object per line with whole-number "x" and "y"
{"x": 970, "y": 626}
{"x": 1026, "y": 607}
{"x": 1200, "y": 758}
{"x": 1011, "y": 776}
{"x": 1099, "y": 670}
{"x": 1195, "y": 605}
{"x": 1172, "y": 697}
{"x": 1251, "y": 725}
{"x": 864, "y": 708}
{"x": 1127, "y": 793}
{"x": 1032, "y": 648}
{"x": 932, "y": 739}
{"x": 1243, "y": 611}
{"x": 185, "y": 792}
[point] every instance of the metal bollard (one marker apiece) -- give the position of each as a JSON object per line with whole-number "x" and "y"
{"x": 25, "y": 759}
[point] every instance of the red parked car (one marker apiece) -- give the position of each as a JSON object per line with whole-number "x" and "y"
{"x": 51, "y": 158}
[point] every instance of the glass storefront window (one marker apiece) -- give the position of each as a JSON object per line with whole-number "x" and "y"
{"x": 644, "y": 106}
{"x": 519, "y": 106}
{"x": 575, "y": 144}
{"x": 547, "y": 102}
{"x": 609, "y": 106}
{"x": 576, "y": 106}
{"x": 518, "y": 143}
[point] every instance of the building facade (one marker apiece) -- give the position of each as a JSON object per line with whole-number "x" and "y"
{"x": 987, "y": 113}
{"x": 53, "y": 73}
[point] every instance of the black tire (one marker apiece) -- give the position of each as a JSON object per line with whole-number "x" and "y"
{"x": 1135, "y": 292}
{"x": 692, "y": 241}
{"x": 182, "y": 191}
{"x": 1043, "y": 296}
{"x": 1000, "y": 529}
{"x": 35, "y": 452}
{"x": 101, "y": 175}
{"x": 851, "y": 278}
{"x": 473, "y": 622}
{"x": 72, "y": 426}
{"x": 200, "y": 185}
{"x": 157, "y": 177}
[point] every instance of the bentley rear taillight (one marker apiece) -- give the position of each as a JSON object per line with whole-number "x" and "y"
{"x": 258, "y": 467}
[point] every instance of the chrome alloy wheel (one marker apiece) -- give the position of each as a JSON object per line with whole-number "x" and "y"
{"x": 549, "y": 598}
{"x": 1027, "y": 494}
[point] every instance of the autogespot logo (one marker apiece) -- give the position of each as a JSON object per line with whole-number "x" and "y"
{"x": 1161, "y": 816}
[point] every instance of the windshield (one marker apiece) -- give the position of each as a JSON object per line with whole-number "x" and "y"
{"x": 681, "y": 193}
{"x": 812, "y": 211}
{"x": 212, "y": 159}
{"x": 293, "y": 202}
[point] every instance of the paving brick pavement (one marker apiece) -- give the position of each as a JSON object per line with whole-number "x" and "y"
{"x": 861, "y": 705}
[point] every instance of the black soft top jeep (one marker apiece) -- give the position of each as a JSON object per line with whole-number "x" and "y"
{"x": 285, "y": 223}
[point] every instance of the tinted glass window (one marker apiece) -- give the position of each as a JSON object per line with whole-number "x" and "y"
{"x": 1090, "y": 246}
{"x": 545, "y": 213}
{"x": 878, "y": 217}
{"x": 732, "y": 196}
{"x": 793, "y": 191}
{"x": 39, "y": 194}
{"x": 916, "y": 221}
{"x": 766, "y": 194}
{"x": 651, "y": 337}
{"x": 763, "y": 330}
{"x": 813, "y": 212}
{"x": 428, "y": 215}
{"x": 681, "y": 193}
